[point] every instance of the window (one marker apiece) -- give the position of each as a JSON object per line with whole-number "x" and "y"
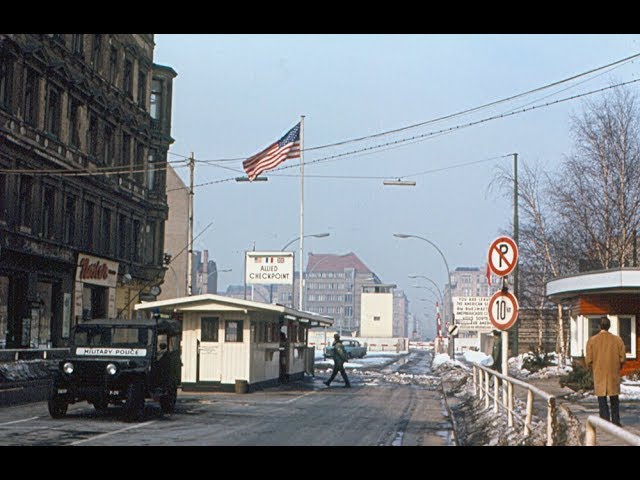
{"x": 127, "y": 78}
{"x": 376, "y": 319}
{"x": 69, "y": 220}
{"x": 109, "y": 145}
{"x": 233, "y": 331}
{"x": 77, "y": 43}
{"x": 74, "y": 123}
{"x": 106, "y": 231}
{"x": 125, "y": 157}
{"x": 30, "y": 97}
{"x": 138, "y": 169}
{"x": 96, "y": 50}
{"x": 53, "y": 112}
{"x": 123, "y": 235}
{"x": 136, "y": 237}
{"x": 48, "y": 212}
{"x": 113, "y": 64}
{"x": 92, "y": 134}
{"x": 3, "y": 197}
{"x": 151, "y": 172}
{"x": 209, "y": 327}
{"x": 142, "y": 89}
{"x": 5, "y": 83}
{"x": 89, "y": 212}
{"x": 26, "y": 186}
{"x": 150, "y": 247}
{"x": 621, "y": 325}
{"x": 156, "y": 99}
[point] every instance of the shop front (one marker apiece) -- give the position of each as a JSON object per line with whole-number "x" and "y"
{"x": 95, "y": 288}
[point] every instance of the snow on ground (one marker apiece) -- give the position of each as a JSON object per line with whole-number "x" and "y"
{"x": 370, "y": 359}
{"x": 444, "y": 359}
{"x": 478, "y": 358}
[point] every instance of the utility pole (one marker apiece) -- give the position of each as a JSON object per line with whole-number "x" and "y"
{"x": 190, "y": 229}
{"x": 514, "y": 330}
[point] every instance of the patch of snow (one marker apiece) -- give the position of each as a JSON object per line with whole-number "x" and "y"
{"x": 478, "y": 358}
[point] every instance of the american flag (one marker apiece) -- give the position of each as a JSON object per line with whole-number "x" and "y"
{"x": 272, "y": 156}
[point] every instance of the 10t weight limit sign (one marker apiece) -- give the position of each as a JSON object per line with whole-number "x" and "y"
{"x": 503, "y": 310}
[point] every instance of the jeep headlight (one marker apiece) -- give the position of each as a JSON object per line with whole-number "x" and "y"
{"x": 67, "y": 368}
{"x": 111, "y": 369}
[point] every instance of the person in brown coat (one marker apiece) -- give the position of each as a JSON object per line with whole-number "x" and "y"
{"x": 606, "y": 355}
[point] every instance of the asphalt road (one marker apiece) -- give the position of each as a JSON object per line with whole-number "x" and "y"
{"x": 399, "y": 404}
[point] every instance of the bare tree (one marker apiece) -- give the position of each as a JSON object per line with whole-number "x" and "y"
{"x": 584, "y": 216}
{"x": 597, "y": 195}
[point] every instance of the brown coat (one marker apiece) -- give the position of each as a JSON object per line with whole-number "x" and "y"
{"x": 605, "y": 354}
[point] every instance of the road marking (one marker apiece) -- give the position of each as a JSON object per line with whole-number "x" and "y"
{"x": 113, "y": 433}
{"x": 18, "y": 421}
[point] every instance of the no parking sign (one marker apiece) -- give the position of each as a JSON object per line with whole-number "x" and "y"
{"x": 503, "y": 256}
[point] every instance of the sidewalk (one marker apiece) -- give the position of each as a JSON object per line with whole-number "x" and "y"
{"x": 582, "y": 407}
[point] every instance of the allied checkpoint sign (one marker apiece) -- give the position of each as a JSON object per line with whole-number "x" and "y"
{"x": 269, "y": 268}
{"x": 503, "y": 256}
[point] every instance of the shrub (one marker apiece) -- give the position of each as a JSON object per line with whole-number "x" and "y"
{"x": 580, "y": 378}
{"x": 537, "y": 360}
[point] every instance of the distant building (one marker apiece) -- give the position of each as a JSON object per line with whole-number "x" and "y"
{"x": 176, "y": 238}
{"x": 333, "y": 286}
{"x": 400, "y": 314}
{"x": 376, "y": 317}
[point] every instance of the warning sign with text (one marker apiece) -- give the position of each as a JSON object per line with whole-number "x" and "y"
{"x": 472, "y": 313}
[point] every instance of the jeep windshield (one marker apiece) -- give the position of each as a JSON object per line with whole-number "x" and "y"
{"x": 112, "y": 340}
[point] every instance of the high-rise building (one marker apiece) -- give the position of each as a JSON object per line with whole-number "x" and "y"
{"x": 85, "y": 126}
{"x": 333, "y": 286}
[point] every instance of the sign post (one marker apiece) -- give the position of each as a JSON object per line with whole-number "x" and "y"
{"x": 503, "y": 306}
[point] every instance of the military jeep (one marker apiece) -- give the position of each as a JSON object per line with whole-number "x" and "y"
{"x": 119, "y": 362}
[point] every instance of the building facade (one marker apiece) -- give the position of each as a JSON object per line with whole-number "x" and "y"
{"x": 401, "y": 325}
{"x": 176, "y": 238}
{"x": 333, "y": 287}
{"x": 377, "y": 305}
{"x": 84, "y": 134}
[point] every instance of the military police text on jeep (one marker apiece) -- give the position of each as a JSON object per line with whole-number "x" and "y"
{"x": 119, "y": 362}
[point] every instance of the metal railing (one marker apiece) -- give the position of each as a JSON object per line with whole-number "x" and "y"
{"x": 481, "y": 387}
{"x": 593, "y": 422}
{"x": 15, "y": 354}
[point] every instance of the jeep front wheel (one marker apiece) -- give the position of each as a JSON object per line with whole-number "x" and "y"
{"x": 168, "y": 400}
{"x": 57, "y": 406}
{"x": 134, "y": 406}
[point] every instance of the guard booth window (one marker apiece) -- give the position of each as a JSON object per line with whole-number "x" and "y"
{"x": 209, "y": 327}
{"x": 233, "y": 331}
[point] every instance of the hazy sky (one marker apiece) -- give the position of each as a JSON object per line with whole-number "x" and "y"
{"x": 236, "y": 94}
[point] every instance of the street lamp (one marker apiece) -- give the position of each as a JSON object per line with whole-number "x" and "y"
{"x": 434, "y": 284}
{"x": 437, "y": 294}
{"x": 446, "y": 264}
{"x": 316, "y": 235}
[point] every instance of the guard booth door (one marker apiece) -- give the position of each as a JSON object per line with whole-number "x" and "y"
{"x": 208, "y": 356}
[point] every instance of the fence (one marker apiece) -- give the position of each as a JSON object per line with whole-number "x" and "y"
{"x": 13, "y": 355}
{"x": 619, "y": 433}
{"x": 482, "y": 377}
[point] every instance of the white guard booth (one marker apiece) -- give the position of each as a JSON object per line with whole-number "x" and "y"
{"x": 229, "y": 343}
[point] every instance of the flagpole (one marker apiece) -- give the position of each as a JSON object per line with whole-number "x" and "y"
{"x": 301, "y": 293}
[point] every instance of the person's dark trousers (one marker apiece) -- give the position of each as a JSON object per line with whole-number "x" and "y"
{"x": 335, "y": 372}
{"x": 603, "y": 407}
